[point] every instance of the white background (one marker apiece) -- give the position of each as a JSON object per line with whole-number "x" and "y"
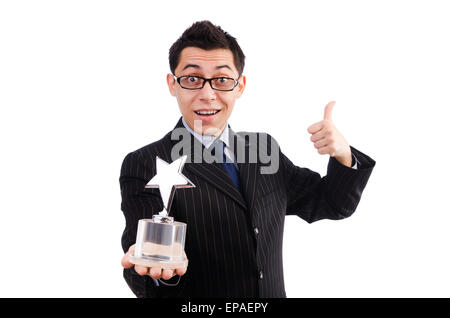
{"x": 82, "y": 83}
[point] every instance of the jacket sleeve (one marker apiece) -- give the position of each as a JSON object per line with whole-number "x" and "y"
{"x": 137, "y": 203}
{"x": 334, "y": 196}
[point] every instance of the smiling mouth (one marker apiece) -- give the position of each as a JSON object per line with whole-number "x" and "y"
{"x": 206, "y": 112}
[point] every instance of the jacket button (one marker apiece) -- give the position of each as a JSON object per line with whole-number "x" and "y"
{"x": 261, "y": 275}
{"x": 256, "y": 230}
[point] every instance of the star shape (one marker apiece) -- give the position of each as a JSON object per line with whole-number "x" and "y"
{"x": 168, "y": 178}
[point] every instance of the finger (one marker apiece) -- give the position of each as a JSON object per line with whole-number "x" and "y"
{"x": 321, "y": 143}
{"x": 327, "y": 150}
{"x": 126, "y": 258}
{"x": 328, "y": 110}
{"x": 315, "y": 127}
{"x": 126, "y": 261}
{"x": 167, "y": 274}
{"x": 155, "y": 272}
{"x": 181, "y": 271}
{"x": 318, "y": 135}
{"x": 141, "y": 270}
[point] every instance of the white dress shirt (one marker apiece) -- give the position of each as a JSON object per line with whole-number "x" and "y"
{"x": 208, "y": 140}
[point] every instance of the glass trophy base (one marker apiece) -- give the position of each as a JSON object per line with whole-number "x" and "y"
{"x": 160, "y": 243}
{"x": 158, "y": 262}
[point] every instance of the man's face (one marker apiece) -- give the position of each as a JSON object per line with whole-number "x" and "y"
{"x": 207, "y": 64}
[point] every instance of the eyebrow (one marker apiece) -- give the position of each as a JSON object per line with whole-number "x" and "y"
{"x": 198, "y": 67}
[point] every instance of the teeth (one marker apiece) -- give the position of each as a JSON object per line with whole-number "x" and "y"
{"x": 207, "y": 112}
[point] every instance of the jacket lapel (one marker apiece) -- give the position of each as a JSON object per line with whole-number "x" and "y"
{"x": 215, "y": 174}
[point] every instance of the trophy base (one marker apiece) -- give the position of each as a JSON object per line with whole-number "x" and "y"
{"x": 157, "y": 262}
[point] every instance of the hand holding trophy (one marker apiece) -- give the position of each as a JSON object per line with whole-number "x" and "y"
{"x": 160, "y": 240}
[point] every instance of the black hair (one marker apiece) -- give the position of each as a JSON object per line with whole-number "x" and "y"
{"x": 206, "y": 36}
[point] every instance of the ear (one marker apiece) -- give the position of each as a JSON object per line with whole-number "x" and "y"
{"x": 241, "y": 86}
{"x": 171, "y": 83}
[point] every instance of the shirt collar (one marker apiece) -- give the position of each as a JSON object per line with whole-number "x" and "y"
{"x": 208, "y": 140}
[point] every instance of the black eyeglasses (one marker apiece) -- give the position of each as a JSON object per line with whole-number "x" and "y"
{"x": 224, "y": 84}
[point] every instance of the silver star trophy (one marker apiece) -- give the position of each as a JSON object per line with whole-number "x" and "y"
{"x": 160, "y": 240}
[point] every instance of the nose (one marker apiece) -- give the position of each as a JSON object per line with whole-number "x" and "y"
{"x": 207, "y": 93}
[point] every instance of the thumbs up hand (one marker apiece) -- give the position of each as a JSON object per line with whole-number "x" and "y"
{"x": 328, "y": 140}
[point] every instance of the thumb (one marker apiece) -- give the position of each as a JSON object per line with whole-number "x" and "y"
{"x": 125, "y": 259}
{"x": 328, "y": 110}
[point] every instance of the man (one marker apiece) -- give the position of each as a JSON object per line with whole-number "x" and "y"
{"x": 235, "y": 214}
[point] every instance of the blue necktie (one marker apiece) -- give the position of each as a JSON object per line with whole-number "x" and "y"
{"x": 230, "y": 168}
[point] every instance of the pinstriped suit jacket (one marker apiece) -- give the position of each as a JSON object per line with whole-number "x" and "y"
{"x": 234, "y": 240}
